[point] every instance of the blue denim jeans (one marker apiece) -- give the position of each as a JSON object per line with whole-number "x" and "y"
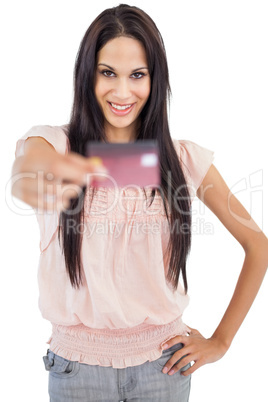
{"x": 71, "y": 381}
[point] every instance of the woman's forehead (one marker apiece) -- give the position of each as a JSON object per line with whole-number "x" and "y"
{"x": 123, "y": 51}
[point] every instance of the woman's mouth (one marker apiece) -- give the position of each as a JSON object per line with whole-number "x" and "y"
{"x": 121, "y": 110}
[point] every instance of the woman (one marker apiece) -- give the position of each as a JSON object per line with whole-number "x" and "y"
{"x": 113, "y": 296}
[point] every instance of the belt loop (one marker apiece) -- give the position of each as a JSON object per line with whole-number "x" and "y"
{"x": 48, "y": 360}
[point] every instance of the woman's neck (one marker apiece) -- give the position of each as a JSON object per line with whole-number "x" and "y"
{"x": 126, "y": 134}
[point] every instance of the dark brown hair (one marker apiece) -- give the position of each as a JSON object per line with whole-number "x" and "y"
{"x": 87, "y": 123}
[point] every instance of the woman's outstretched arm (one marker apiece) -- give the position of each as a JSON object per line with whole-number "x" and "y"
{"x": 42, "y": 172}
{"x": 216, "y": 195}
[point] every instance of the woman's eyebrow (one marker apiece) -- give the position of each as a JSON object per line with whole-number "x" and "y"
{"x": 111, "y": 68}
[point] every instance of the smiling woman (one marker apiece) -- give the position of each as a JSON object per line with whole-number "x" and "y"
{"x": 115, "y": 299}
{"x": 123, "y": 90}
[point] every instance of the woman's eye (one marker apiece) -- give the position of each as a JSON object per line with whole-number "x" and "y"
{"x": 138, "y": 75}
{"x": 107, "y": 73}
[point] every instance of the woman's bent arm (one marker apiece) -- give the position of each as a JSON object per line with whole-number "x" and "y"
{"x": 237, "y": 220}
{"x": 217, "y": 196}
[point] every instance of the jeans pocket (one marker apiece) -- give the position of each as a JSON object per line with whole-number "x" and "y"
{"x": 159, "y": 364}
{"x": 60, "y": 367}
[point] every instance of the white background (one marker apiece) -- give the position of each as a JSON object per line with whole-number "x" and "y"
{"x": 217, "y": 53}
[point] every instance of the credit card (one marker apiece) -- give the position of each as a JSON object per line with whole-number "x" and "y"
{"x": 132, "y": 163}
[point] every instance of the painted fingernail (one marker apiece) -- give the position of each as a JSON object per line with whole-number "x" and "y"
{"x": 95, "y": 160}
{"x": 165, "y": 346}
{"x": 165, "y": 370}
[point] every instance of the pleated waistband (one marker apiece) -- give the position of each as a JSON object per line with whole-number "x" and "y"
{"x": 118, "y": 348}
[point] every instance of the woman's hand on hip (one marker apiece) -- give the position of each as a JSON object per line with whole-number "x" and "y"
{"x": 196, "y": 349}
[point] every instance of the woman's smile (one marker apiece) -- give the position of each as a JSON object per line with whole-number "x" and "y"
{"x": 121, "y": 110}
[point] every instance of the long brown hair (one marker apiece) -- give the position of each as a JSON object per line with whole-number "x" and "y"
{"x": 87, "y": 123}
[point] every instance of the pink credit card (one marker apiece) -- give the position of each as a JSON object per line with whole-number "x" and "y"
{"x": 132, "y": 163}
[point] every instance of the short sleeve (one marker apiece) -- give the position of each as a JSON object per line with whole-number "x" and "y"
{"x": 56, "y": 136}
{"x": 195, "y": 160}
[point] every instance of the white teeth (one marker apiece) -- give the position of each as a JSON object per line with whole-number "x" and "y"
{"x": 120, "y": 107}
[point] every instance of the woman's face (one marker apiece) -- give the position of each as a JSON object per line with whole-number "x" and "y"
{"x": 122, "y": 84}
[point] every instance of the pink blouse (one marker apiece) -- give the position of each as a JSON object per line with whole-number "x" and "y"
{"x": 126, "y": 310}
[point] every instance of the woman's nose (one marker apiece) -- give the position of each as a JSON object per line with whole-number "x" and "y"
{"x": 122, "y": 89}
